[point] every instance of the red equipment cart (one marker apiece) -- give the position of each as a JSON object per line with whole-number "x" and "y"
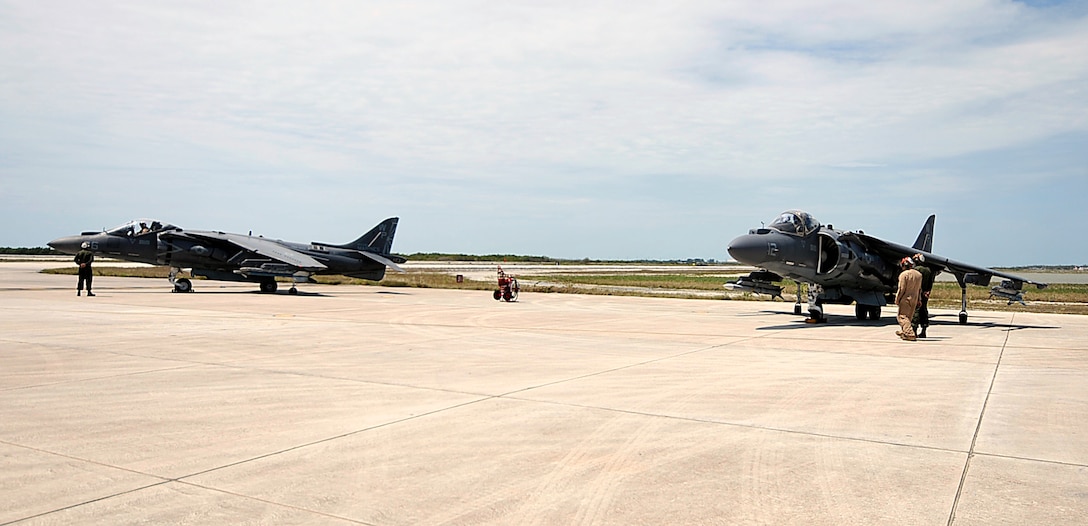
{"x": 508, "y": 287}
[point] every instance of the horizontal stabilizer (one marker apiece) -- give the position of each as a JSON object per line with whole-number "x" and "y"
{"x": 383, "y": 260}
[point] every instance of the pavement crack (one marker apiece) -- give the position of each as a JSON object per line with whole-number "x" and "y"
{"x": 978, "y": 427}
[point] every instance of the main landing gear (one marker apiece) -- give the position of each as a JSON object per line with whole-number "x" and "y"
{"x": 269, "y": 286}
{"x": 863, "y": 312}
{"x": 816, "y": 306}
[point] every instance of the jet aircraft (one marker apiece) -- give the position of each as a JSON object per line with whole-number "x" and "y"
{"x": 843, "y": 267}
{"x": 224, "y": 256}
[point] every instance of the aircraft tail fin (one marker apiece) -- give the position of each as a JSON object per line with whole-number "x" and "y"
{"x": 379, "y": 239}
{"x": 925, "y": 237}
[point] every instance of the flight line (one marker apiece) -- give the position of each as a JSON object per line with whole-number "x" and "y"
{"x": 366, "y": 405}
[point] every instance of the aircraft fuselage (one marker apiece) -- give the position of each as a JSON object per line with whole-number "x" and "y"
{"x": 846, "y": 271}
{"x": 237, "y": 257}
{"x": 189, "y": 252}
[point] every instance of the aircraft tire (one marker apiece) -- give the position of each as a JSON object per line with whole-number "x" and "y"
{"x": 963, "y": 318}
{"x": 268, "y": 286}
{"x": 867, "y": 312}
{"x": 183, "y": 285}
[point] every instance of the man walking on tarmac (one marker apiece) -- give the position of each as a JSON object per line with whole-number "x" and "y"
{"x": 921, "y": 316}
{"x": 910, "y": 287}
{"x": 84, "y": 258}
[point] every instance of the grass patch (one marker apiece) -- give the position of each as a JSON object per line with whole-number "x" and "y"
{"x": 120, "y": 272}
{"x": 645, "y": 280}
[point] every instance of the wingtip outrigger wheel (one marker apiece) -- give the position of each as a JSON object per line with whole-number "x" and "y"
{"x": 963, "y": 305}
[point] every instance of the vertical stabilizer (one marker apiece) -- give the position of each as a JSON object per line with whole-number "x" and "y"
{"x": 925, "y": 237}
{"x": 379, "y": 239}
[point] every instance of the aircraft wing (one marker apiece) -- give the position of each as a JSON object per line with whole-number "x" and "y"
{"x": 965, "y": 273}
{"x": 264, "y": 247}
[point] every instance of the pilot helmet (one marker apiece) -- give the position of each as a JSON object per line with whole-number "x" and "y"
{"x": 906, "y": 262}
{"x": 85, "y": 245}
{"x": 919, "y": 258}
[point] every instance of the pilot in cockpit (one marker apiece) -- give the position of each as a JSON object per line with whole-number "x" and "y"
{"x": 787, "y": 222}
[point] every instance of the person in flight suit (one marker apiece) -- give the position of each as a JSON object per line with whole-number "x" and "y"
{"x": 910, "y": 287}
{"x": 921, "y": 316}
{"x": 84, "y": 258}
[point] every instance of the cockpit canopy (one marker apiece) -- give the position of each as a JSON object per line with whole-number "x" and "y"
{"x": 795, "y": 222}
{"x": 138, "y": 227}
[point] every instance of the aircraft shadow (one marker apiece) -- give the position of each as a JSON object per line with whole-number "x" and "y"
{"x": 885, "y": 321}
{"x": 248, "y": 292}
{"x": 832, "y": 320}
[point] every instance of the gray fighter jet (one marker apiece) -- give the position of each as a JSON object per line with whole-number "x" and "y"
{"x": 843, "y": 267}
{"x": 224, "y": 256}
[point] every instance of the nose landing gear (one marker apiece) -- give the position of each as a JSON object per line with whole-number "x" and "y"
{"x": 180, "y": 284}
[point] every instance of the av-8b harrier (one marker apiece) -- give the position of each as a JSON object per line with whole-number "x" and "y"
{"x": 224, "y": 256}
{"x": 843, "y": 267}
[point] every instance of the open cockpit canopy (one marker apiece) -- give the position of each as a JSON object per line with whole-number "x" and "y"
{"x": 795, "y": 222}
{"x": 138, "y": 227}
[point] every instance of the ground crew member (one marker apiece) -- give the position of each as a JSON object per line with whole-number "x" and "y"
{"x": 84, "y": 258}
{"x": 910, "y": 287}
{"x": 921, "y": 316}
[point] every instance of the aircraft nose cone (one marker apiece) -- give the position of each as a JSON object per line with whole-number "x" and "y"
{"x": 68, "y": 244}
{"x": 749, "y": 249}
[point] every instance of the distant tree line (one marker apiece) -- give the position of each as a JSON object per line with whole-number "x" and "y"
{"x": 514, "y": 258}
{"x": 30, "y": 251}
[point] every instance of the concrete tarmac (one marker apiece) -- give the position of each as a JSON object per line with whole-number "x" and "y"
{"x": 397, "y": 406}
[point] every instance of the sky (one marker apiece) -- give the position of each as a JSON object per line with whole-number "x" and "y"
{"x": 569, "y": 129}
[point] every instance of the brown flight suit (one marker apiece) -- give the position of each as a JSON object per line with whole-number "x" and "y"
{"x": 910, "y": 289}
